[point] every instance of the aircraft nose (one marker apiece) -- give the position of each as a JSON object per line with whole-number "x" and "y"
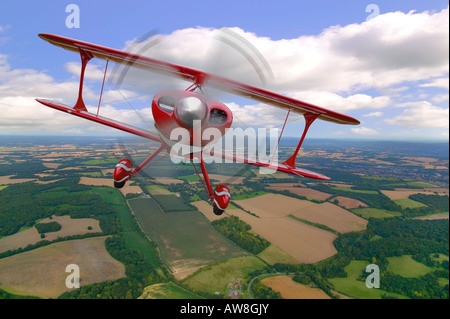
{"x": 190, "y": 109}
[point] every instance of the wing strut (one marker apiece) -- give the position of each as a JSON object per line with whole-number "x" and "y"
{"x": 103, "y": 84}
{"x": 208, "y": 186}
{"x": 309, "y": 119}
{"x": 85, "y": 57}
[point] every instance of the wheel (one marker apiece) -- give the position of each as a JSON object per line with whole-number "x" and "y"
{"x": 218, "y": 211}
{"x": 119, "y": 184}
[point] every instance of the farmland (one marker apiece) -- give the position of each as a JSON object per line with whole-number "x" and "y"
{"x": 69, "y": 227}
{"x": 158, "y": 228}
{"x": 41, "y": 272}
{"x": 354, "y": 286}
{"x": 289, "y": 289}
{"x": 181, "y": 247}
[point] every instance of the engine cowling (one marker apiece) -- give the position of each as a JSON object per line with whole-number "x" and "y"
{"x": 221, "y": 199}
{"x": 122, "y": 172}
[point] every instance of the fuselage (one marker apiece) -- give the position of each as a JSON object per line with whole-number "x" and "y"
{"x": 175, "y": 111}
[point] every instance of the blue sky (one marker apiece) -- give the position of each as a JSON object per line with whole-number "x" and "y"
{"x": 401, "y": 94}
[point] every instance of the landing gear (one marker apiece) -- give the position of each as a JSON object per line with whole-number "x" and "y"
{"x": 217, "y": 211}
{"x": 119, "y": 184}
{"x": 122, "y": 172}
{"x": 221, "y": 199}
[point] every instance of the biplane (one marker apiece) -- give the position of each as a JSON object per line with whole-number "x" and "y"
{"x": 175, "y": 108}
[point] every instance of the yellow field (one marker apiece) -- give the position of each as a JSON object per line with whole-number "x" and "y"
{"x": 289, "y": 289}
{"x": 305, "y": 243}
{"x": 401, "y": 193}
{"x": 326, "y": 214}
{"x": 127, "y": 189}
{"x": 227, "y": 179}
{"x": 207, "y": 210}
{"x": 6, "y": 180}
{"x": 332, "y": 216}
{"x": 41, "y": 272}
{"x": 349, "y": 203}
{"x": 69, "y": 227}
{"x": 168, "y": 180}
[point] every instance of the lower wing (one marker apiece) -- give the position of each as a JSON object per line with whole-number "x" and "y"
{"x": 102, "y": 120}
{"x": 270, "y": 166}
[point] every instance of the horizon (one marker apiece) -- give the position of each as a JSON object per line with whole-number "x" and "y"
{"x": 130, "y": 136}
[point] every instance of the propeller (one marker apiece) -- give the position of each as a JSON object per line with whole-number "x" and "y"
{"x": 229, "y": 47}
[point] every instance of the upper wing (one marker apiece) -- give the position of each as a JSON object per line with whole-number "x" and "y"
{"x": 201, "y": 77}
{"x": 102, "y": 120}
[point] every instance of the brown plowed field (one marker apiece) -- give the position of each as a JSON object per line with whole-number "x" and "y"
{"x": 401, "y": 193}
{"x": 308, "y": 192}
{"x": 289, "y": 289}
{"x": 127, "y": 189}
{"x": 350, "y": 202}
{"x": 41, "y": 272}
{"x": 306, "y": 243}
{"x": 69, "y": 227}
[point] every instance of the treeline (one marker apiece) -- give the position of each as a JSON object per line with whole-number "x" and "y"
{"x": 47, "y": 227}
{"x": 436, "y": 203}
{"x": 25, "y": 169}
{"x": 239, "y": 232}
{"x": 378, "y": 200}
{"x": 21, "y": 205}
{"x": 261, "y": 291}
{"x": 396, "y": 237}
{"x": 424, "y": 287}
{"x": 139, "y": 275}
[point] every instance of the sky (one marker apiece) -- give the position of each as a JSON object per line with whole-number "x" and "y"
{"x": 385, "y": 63}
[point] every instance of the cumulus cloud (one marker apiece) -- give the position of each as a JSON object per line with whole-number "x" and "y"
{"x": 422, "y": 114}
{"x": 384, "y": 51}
{"x": 364, "y": 131}
{"x": 22, "y": 114}
{"x": 439, "y": 83}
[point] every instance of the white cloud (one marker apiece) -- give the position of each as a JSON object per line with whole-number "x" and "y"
{"x": 374, "y": 114}
{"x": 422, "y": 114}
{"x": 363, "y": 131}
{"x": 339, "y": 103}
{"x": 439, "y": 83}
{"x": 385, "y": 51}
{"x": 439, "y": 98}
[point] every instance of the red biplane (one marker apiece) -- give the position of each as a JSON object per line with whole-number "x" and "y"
{"x": 179, "y": 108}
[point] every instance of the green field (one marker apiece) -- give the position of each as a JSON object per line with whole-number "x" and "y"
{"x": 273, "y": 255}
{"x": 133, "y": 239}
{"x": 101, "y": 161}
{"x": 407, "y": 267}
{"x": 374, "y": 213}
{"x": 158, "y": 190}
{"x": 172, "y": 203}
{"x": 215, "y": 278}
{"x": 249, "y": 195}
{"x": 168, "y": 290}
{"x": 408, "y": 203}
{"x": 421, "y": 184}
{"x": 354, "y": 287}
{"x": 351, "y": 190}
{"x": 189, "y": 178}
{"x": 185, "y": 235}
